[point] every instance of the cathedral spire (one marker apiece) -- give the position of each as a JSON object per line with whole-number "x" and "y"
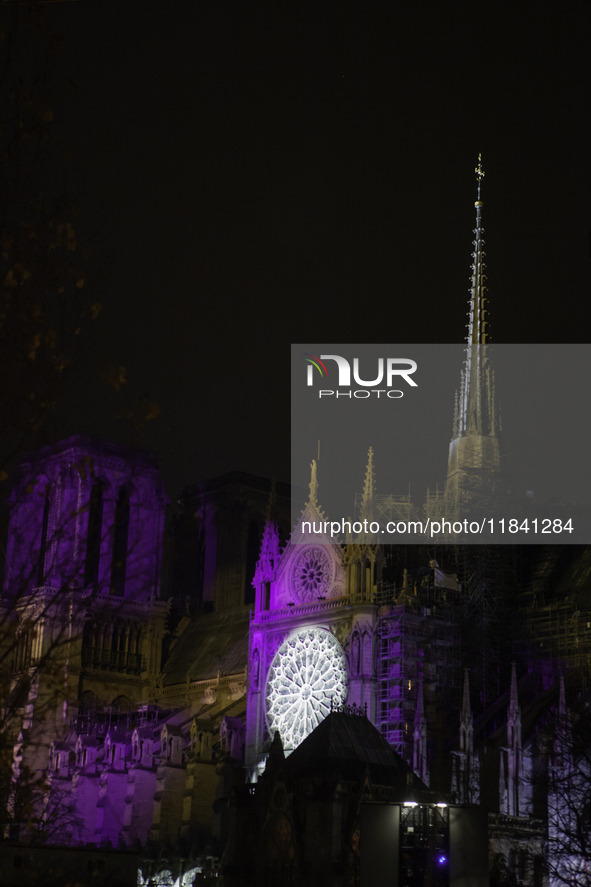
{"x": 270, "y": 550}
{"x": 477, "y": 326}
{"x": 466, "y": 767}
{"x": 476, "y": 413}
{"x": 511, "y": 791}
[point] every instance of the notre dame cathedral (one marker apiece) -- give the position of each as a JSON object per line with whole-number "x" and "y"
{"x": 219, "y": 696}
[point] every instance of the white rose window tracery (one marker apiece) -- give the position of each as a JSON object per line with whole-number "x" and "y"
{"x": 308, "y": 672}
{"x": 311, "y": 574}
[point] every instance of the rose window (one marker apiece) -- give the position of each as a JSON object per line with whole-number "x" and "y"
{"x": 308, "y": 672}
{"x": 311, "y": 575}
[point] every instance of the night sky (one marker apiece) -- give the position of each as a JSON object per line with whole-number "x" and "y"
{"x": 259, "y": 174}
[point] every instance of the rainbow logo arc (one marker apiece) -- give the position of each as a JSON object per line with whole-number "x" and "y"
{"x": 315, "y": 361}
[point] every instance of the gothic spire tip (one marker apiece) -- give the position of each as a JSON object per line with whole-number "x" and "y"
{"x": 313, "y": 485}
{"x": 479, "y": 176}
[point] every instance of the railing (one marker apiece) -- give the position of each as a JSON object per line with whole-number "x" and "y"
{"x": 113, "y": 660}
{"x": 302, "y": 609}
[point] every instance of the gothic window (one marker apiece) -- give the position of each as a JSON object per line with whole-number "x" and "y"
{"x": 122, "y": 704}
{"x": 120, "y": 539}
{"x": 308, "y": 674}
{"x": 311, "y": 575}
{"x": 94, "y": 534}
{"x": 43, "y": 548}
{"x": 24, "y": 651}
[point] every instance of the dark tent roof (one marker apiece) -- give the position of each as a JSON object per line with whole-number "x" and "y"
{"x": 214, "y": 642}
{"x": 347, "y": 746}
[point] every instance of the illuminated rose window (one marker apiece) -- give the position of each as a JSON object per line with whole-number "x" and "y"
{"x": 308, "y": 672}
{"x": 311, "y": 574}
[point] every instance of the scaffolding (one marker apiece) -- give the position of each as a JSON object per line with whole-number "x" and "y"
{"x": 511, "y": 603}
{"x": 439, "y": 507}
{"x": 558, "y": 637}
{"x": 418, "y": 648}
{"x": 490, "y": 576}
{"x": 390, "y": 508}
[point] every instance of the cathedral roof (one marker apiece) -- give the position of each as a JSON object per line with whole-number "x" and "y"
{"x": 93, "y": 446}
{"x": 213, "y": 642}
{"x": 348, "y": 746}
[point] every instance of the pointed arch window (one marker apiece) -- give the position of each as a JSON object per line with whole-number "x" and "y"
{"x": 120, "y": 540}
{"x": 94, "y": 534}
{"x": 43, "y": 547}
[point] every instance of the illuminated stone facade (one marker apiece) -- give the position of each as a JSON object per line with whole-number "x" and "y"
{"x": 82, "y": 583}
{"x": 142, "y": 749}
{"x": 312, "y": 636}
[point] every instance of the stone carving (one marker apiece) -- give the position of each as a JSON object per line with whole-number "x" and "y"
{"x": 311, "y": 575}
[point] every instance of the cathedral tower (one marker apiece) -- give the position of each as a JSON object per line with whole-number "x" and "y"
{"x": 82, "y": 585}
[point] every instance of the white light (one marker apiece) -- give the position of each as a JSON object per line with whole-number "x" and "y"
{"x": 307, "y": 674}
{"x": 410, "y": 804}
{"x": 441, "y": 805}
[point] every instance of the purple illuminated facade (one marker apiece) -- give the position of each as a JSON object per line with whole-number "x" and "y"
{"x": 88, "y": 515}
{"x": 84, "y": 562}
{"x": 313, "y": 635}
{"x": 143, "y": 750}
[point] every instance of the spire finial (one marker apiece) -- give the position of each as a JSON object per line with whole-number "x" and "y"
{"x": 479, "y": 173}
{"x": 313, "y": 500}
